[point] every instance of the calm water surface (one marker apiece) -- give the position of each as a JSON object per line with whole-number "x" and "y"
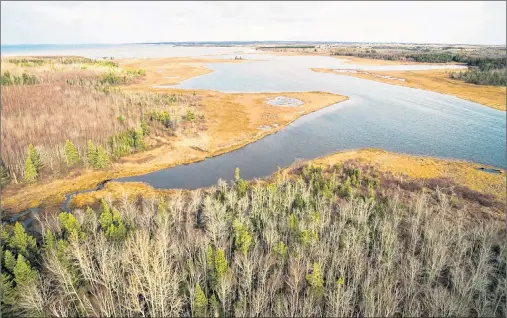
{"x": 378, "y": 115}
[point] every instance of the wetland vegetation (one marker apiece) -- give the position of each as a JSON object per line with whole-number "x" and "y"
{"x": 69, "y": 111}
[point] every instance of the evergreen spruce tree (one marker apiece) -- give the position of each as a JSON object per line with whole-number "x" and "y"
{"x": 7, "y": 294}
{"x": 102, "y": 158}
{"x": 91, "y": 154}
{"x": 22, "y": 242}
{"x": 9, "y": 260}
{"x": 200, "y": 302}
{"x": 49, "y": 241}
{"x": 35, "y": 158}
{"x": 30, "y": 172}
{"x": 144, "y": 127}
{"x": 23, "y": 273}
{"x": 71, "y": 154}
{"x": 70, "y": 225}
{"x": 5, "y": 176}
{"x": 106, "y": 218}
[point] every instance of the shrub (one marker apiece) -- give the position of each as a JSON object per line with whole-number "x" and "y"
{"x": 23, "y": 79}
{"x": 190, "y": 116}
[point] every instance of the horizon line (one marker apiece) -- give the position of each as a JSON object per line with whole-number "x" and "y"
{"x": 253, "y": 41}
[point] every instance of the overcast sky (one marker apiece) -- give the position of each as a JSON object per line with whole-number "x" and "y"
{"x": 126, "y": 22}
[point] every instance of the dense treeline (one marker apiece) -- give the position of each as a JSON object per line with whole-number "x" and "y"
{"x": 483, "y": 70}
{"x": 286, "y": 47}
{"x": 483, "y": 63}
{"x": 495, "y": 77}
{"x": 340, "y": 241}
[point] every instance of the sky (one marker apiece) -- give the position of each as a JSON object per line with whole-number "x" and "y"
{"x": 133, "y": 22}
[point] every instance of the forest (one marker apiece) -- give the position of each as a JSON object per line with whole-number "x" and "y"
{"x": 339, "y": 240}
{"x": 62, "y": 114}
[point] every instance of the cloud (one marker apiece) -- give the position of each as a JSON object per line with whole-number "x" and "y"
{"x": 127, "y": 22}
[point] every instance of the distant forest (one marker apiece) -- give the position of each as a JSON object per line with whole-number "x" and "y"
{"x": 483, "y": 70}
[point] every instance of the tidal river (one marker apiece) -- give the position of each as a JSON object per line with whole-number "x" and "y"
{"x": 379, "y": 115}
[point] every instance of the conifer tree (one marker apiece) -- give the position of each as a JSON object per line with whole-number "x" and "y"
{"x": 35, "y": 158}
{"x": 221, "y": 267}
{"x": 21, "y": 241}
{"x": 200, "y": 302}
{"x": 7, "y": 294}
{"x": 49, "y": 240}
{"x": 9, "y": 260}
{"x": 102, "y": 158}
{"x": 71, "y": 154}
{"x": 71, "y": 226}
{"x": 106, "y": 218}
{"x": 236, "y": 174}
{"x": 23, "y": 273}
{"x": 242, "y": 239}
{"x": 30, "y": 172}
{"x": 144, "y": 127}
{"x": 315, "y": 280}
{"x": 5, "y": 176}
{"x": 91, "y": 154}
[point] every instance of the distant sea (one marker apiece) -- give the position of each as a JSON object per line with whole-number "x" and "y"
{"x": 128, "y": 50}
{"x": 47, "y": 49}
{"x": 25, "y": 49}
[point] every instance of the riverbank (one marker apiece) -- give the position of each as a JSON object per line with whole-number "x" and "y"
{"x": 436, "y": 81}
{"x": 401, "y": 166}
